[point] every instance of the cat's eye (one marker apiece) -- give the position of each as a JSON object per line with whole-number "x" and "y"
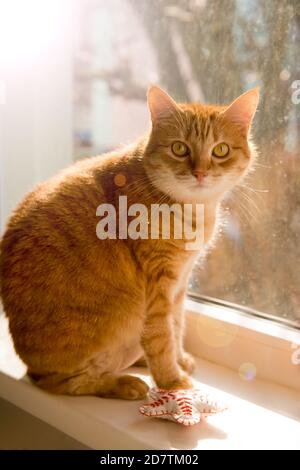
{"x": 180, "y": 149}
{"x": 220, "y": 150}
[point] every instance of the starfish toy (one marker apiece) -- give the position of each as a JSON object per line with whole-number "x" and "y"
{"x": 185, "y": 407}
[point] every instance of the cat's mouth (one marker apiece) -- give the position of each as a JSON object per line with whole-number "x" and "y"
{"x": 200, "y": 184}
{"x": 193, "y": 183}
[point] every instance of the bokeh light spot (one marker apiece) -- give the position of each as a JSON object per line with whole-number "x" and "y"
{"x": 247, "y": 371}
{"x": 120, "y": 180}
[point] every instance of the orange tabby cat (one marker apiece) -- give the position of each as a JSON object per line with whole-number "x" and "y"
{"x": 81, "y": 309}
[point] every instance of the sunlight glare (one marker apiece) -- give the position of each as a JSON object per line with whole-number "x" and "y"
{"x": 28, "y": 28}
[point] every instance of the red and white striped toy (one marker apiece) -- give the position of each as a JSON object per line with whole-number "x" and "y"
{"x": 185, "y": 407}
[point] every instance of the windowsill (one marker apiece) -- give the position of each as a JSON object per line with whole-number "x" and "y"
{"x": 261, "y": 415}
{"x": 21, "y": 430}
{"x": 114, "y": 424}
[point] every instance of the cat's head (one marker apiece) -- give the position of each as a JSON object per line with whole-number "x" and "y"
{"x": 196, "y": 151}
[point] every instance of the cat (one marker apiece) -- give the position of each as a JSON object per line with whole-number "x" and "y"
{"x": 81, "y": 310}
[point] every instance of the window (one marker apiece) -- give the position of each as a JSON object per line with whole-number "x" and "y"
{"x": 212, "y": 50}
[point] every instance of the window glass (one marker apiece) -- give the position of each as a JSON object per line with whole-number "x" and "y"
{"x": 210, "y": 50}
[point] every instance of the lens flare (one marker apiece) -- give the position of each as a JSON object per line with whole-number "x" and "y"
{"x": 247, "y": 371}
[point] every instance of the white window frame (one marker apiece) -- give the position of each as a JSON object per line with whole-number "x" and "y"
{"x": 226, "y": 335}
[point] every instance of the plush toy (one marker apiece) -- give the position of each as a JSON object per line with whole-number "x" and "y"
{"x": 185, "y": 407}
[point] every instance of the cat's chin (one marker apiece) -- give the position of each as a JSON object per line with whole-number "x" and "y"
{"x": 205, "y": 193}
{"x": 194, "y": 195}
{"x": 209, "y": 190}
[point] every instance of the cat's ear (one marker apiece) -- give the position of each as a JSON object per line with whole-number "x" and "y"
{"x": 242, "y": 110}
{"x": 160, "y": 104}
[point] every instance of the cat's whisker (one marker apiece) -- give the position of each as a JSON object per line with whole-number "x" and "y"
{"x": 245, "y": 205}
{"x": 244, "y": 212}
{"x": 254, "y": 190}
{"x": 251, "y": 200}
{"x": 251, "y": 208}
{"x": 261, "y": 165}
{"x": 137, "y": 182}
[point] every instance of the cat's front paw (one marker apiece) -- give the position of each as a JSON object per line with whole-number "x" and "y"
{"x": 187, "y": 363}
{"x": 183, "y": 382}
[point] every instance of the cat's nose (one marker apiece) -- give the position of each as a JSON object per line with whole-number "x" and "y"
{"x": 200, "y": 174}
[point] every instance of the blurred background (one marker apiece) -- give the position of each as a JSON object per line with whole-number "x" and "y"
{"x": 73, "y": 81}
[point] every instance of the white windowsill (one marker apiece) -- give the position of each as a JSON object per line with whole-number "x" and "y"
{"x": 115, "y": 424}
{"x": 261, "y": 415}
